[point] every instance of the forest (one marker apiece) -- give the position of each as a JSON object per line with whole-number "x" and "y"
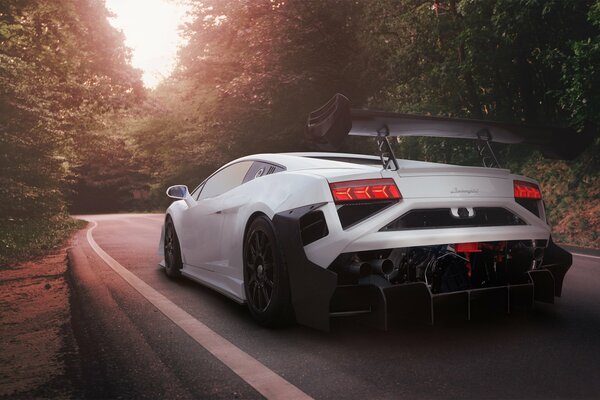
{"x": 79, "y": 133}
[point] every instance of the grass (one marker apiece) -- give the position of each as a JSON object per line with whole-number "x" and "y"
{"x": 26, "y": 239}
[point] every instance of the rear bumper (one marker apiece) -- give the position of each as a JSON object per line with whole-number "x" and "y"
{"x": 368, "y": 235}
{"x": 316, "y": 296}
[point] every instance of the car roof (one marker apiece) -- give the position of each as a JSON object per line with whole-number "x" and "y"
{"x": 331, "y": 155}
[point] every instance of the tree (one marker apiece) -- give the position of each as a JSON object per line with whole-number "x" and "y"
{"x": 268, "y": 63}
{"x": 252, "y": 70}
{"x": 61, "y": 66}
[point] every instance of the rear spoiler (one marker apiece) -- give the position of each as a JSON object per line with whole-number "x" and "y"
{"x": 329, "y": 125}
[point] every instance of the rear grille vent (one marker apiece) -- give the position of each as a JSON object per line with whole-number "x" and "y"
{"x": 351, "y": 214}
{"x": 531, "y": 205}
{"x": 313, "y": 227}
{"x": 443, "y": 218}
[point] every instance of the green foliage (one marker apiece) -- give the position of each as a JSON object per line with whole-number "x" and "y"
{"x": 268, "y": 63}
{"x": 61, "y": 67}
{"x": 580, "y": 75}
{"x": 108, "y": 173}
{"x": 253, "y": 69}
{"x": 25, "y": 239}
{"x": 246, "y": 81}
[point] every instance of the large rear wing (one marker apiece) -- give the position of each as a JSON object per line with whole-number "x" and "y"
{"x": 329, "y": 125}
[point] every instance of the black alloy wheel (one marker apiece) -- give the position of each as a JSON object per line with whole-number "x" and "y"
{"x": 260, "y": 270}
{"x": 266, "y": 281}
{"x": 172, "y": 251}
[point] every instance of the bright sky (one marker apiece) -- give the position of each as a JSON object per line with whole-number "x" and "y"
{"x": 151, "y": 31}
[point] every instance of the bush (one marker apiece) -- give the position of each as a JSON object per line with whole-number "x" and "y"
{"x": 23, "y": 239}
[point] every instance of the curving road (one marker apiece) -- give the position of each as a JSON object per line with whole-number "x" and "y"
{"x": 130, "y": 346}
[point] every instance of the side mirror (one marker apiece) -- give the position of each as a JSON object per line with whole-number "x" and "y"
{"x": 179, "y": 192}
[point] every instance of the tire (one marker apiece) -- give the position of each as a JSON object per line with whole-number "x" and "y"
{"x": 266, "y": 282}
{"x": 172, "y": 250}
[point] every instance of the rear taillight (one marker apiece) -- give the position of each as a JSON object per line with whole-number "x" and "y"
{"x": 527, "y": 190}
{"x": 365, "y": 190}
{"x": 467, "y": 248}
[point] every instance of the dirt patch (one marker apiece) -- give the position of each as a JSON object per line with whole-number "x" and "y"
{"x": 36, "y": 341}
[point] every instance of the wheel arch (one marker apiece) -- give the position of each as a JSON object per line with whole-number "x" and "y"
{"x": 171, "y": 214}
{"x": 161, "y": 241}
{"x": 281, "y": 312}
{"x": 249, "y": 221}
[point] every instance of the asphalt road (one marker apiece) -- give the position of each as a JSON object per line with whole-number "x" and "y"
{"x": 130, "y": 349}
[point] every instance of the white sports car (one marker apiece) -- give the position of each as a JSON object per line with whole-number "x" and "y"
{"x": 310, "y": 236}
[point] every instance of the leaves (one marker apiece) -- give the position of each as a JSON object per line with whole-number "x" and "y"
{"x": 75, "y": 119}
{"x": 265, "y": 64}
{"x": 62, "y": 66}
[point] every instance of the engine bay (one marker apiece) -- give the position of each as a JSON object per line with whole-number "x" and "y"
{"x": 444, "y": 268}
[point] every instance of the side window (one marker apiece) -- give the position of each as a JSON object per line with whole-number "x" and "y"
{"x": 224, "y": 180}
{"x": 257, "y": 169}
{"x": 197, "y": 191}
{"x": 275, "y": 169}
{"x": 260, "y": 168}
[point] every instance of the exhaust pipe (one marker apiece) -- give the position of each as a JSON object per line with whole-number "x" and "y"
{"x": 359, "y": 269}
{"x": 383, "y": 266}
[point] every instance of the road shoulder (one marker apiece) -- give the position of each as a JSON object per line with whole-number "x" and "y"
{"x": 38, "y": 352}
{"x": 585, "y": 251}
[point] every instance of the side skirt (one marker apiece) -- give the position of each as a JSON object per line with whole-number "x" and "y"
{"x": 210, "y": 280}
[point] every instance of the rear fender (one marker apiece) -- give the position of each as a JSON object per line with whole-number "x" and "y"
{"x": 311, "y": 286}
{"x": 558, "y": 261}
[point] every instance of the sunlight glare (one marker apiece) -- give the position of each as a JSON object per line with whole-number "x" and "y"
{"x": 151, "y": 31}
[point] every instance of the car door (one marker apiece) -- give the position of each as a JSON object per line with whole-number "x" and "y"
{"x": 203, "y": 222}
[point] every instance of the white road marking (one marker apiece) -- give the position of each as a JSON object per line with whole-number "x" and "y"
{"x": 585, "y": 255}
{"x": 256, "y": 374}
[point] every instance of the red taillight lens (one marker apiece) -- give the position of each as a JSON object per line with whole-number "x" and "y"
{"x": 365, "y": 190}
{"x": 467, "y": 248}
{"x": 527, "y": 190}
